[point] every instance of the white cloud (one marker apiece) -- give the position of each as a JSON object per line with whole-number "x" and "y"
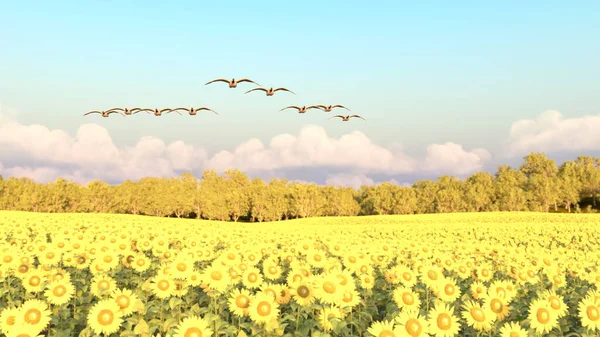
{"x": 349, "y": 180}
{"x": 552, "y": 132}
{"x": 44, "y": 154}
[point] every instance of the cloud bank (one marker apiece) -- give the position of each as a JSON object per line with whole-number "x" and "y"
{"x": 44, "y": 154}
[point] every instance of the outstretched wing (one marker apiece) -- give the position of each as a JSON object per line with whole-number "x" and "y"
{"x": 320, "y": 107}
{"x": 291, "y": 107}
{"x": 205, "y": 108}
{"x": 246, "y": 80}
{"x": 115, "y": 112}
{"x": 340, "y": 116}
{"x": 217, "y": 80}
{"x": 357, "y": 116}
{"x": 93, "y": 112}
{"x": 263, "y": 89}
{"x": 140, "y": 110}
{"x": 284, "y": 89}
{"x": 339, "y": 106}
{"x": 177, "y": 110}
{"x": 114, "y": 109}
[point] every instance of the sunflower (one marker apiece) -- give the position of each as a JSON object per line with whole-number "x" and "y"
{"x": 103, "y": 285}
{"x": 141, "y": 263}
{"x": 284, "y": 294}
{"x": 239, "y": 302}
{"x": 557, "y": 304}
{"x": 181, "y": 288}
{"x": 406, "y": 275}
{"x": 384, "y": 329}
{"x": 303, "y": 293}
{"x": 193, "y": 326}
{"x": 262, "y": 308}
{"x": 479, "y": 318}
{"x": 271, "y": 271}
{"x": 406, "y": 299}
{"x": 442, "y": 322}
{"x": 411, "y": 324}
{"x": 34, "y": 313}
{"x": 478, "y": 289}
{"x": 162, "y": 286}
{"x": 126, "y": 300}
{"x": 430, "y": 275}
{"x": 252, "y": 278}
{"x": 34, "y": 281}
{"x": 513, "y": 329}
{"x": 181, "y": 268}
{"x": 49, "y": 257}
{"x": 326, "y": 314}
{"x": 7, "y": 319}
{"x": 23, "y": 330}
{"x": 216, "y": 277}
{"x": 589, "y": 313}
{"x": 59, "y": 292}
{"x": 350, "y": 298}
{"x": 327, "y": 289}
{"x": 107, "y": 260}
{"x": 448, "y": 290}
{"x": 496, "y": 304}
{"x": 542, "y": 318}
{"x": 105, "y": 317}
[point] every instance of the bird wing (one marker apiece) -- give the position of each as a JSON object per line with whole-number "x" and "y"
{"x": 357, "y": 116}
{"x": 340, "y": 116}
{"x": 205, "y": 108}
{"x": 246, "y": 80}
{"x": 217, "y": 80}
{"x": 176, "y": 110}
{"x": 114, "y": 109}
{"x": 165, "y": 109}
{"x": 263, "y": 89}
{"x": 284, "y": 89}
{"x": 93, "y": 112}
{"x": 339, "y": 106}
{"x": 146, "y": 109}
{"x": 291, "y": 107}
{"x": 320, "y": 107}
{"x": 114, "y": 112}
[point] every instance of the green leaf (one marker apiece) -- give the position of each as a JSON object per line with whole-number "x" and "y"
{"x": 142, "y": 328}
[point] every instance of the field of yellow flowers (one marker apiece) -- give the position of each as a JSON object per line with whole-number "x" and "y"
{"x": 474, "y": 274}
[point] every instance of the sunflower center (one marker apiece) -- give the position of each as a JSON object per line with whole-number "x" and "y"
{"x": 105, "y": 317}
{"x": 514, "y": 334}
{"x": 386, "y": 333}
{"x": 242, "y": 301}
{"x": 181, "y": 266}
{"x": 477, "y": 314}
{"x": 530, "y": 273}
{"x": 33, "y": 316}
{"x": 50, "y": 255}
{"x": 10, "y": 320}
{"x": 34, "y": 281}
{"x": 462, "y": 269}
{"x": 352, "y": 259}
{"x": 543, "y": 316}
{"x": 303, "y": 291}
{"x": 413, "y": 327}
{"x": 329, "y": 287}
{"x": 593, "y": 313}
{"x": 140, "y": 262}
{"x": 432, "y": 275}
{"x": 252, "y": 277}
{"x": 123, "y": 301}
{"x": 193, "y": 332}
{"x": 263, "y": 308}
{"x": 163, "y": 285}
{"x": 444, "y": 322}
{"x": 104, "y": 285}
{"x": 485, "y": 272}
{"x": 501, "y": 292}
{"x": 7, "y": 259}
{"x": 108, "y": 259}
{"x": 496, "y": 306}
{"x": 216, "y": 275}
{"x": 449, "y": 289}
{"x": 554, "y": 302}
{"x": 407, "y": 276}
{"x": 363, "y": 269}
{"x": 23, "y": 269}
{"x": 272, "y": 270}
{"x": 556, "y": 279}
{"x": 343, "y": 280}
{"x": 59, "y": 291}
{"x": 317, "y": 257}
{"x": 408, "y": 298}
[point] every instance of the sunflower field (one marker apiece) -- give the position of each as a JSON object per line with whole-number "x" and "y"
{"x": 471, "y": 274}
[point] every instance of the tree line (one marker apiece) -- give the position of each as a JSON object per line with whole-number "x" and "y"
{"x": 537, "y": 185}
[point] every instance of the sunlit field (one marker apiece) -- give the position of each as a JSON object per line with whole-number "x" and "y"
{"x": 473, "y": 274}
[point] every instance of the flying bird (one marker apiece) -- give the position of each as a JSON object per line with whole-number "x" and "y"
{"x": 301, "y": 109}
{"x": 270, "y": 91}
{"x": 233, "y": 82}
{"x": 192, "y": 111}
{"x": 103, "y": 113}
{"x": 328, "y": 108}
{"x": 157, "y": 112}
{"x": 124, "y": 110}
{"x": 346, "y": 118}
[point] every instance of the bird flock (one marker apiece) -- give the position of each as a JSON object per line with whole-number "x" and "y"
{"x": 233, "y": 83}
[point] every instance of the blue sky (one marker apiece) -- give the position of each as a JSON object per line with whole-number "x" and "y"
{"x": 425, "y": 73}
